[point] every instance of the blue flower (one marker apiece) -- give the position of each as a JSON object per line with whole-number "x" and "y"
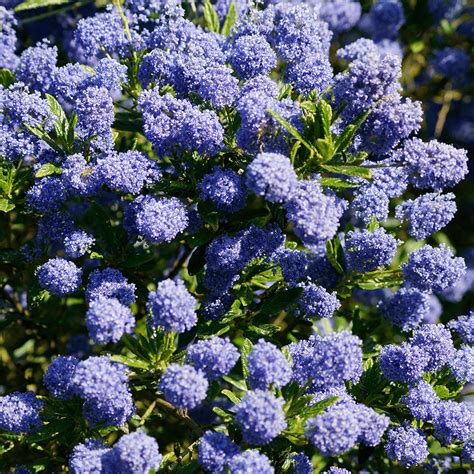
{"x": 183, "y": 386}
{"x": 59, "y": 276}
{"x": 260, "y": 416}
{"x": 172, "y": 307}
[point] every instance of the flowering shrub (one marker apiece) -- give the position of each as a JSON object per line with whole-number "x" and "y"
{"x": 223, "y": 238}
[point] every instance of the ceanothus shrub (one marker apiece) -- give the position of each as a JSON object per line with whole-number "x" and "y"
{"x": 224, "y": 246}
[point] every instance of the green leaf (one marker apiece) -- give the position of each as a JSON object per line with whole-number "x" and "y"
{"x": 6, "y": 78}
{"x": 230, "y": 19}
{"x": 290, "y": 129}
{"x": 246, "y": 349}
{"x": 317, "y": 408}
{"x": 47, "y": 169}
{"x": 378, "y": 279}
{"x": 349, "y": 170}
{"x": 325, "y": 147}
{"x": 131, "y": 362}
{"x": 264, "y": 329}
{"x": 211, "y": 18}
{"x": 335, "y": 254}
{"x": 337, "y": 183}
{"x": 225, "y": 415}
{"x": 241, "y": 385}
{"x": 6, "y": 205}
{"x": 33, "y": 4}
{"x": 56, "y": 109}
{"x": 442, "y": 392}
{"x": 344, "y": 140}
{"x": 231, "y": 396}
{"x": 281, "y": 300}
{"x": 11, "y": 257}
{"x": 324, "y": 114}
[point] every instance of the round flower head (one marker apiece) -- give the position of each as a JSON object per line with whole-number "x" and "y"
{"x": 365, "y": 251}
{"x": 372, "y": 425}
{"x": 172, "y": 307}
{"x": 422, "y": 401}
{"x": 407, "y": 308}
{"x": 386, "y": 18}
{"x": 214, "y": 356}
{"x": 302, "y": 464}
{"x": 134, "y": 453}
{"x": 80, "y": 177}
{"x": 336, "y": 470}
{"x": 435, "y": 340}
{"x": 251, "y": 56}
{"x": 175, "y": 125}
{"x": 77, "y": 243}
{"x": 404, "y": 363}
{"x": 433, "y": 269}
{"x": 58, "y": 377}
{"x": 183, "y": 386}
{"x": 107, "y": 320}
{"x": 95, "y": 116}
{"x": 215, "y": 451}
{"x": 103, "y": 385}
{"x": 341, "y": 15}
{"x": 260, "y": 416}
{"x": 312, "y": 73}
{"x": 272, "y": 176}
{"x": 454, "y": 422}
{"x": 267, "y": 366}
{"x": 451, "y": 62}
{"x": 20, "y": 412}
{"x": 110, "y": 283}
{"x": 369, "y": 202}
{"x": 327, "y": 361}
{"x": 60, "y": 277}
{"x": 433, "y": 164}
{"x": 89, "y": 457}
{"x": 462, "y": 365}
{"x": 157, "y": 220}
{"x": 37, "y": 66}
{"x": 468, "y": 452}
{"x": 335, "y": 431}
{"x": 315, "y": 215}
{"x": 316, "y": 302}
{"x": 250, "y": 461}
{"x": 464, "y": 327}
{"x": 225, "y": 188}
{"x": 127, "y": 172}
{"x": 427, "y": 214}
{"x": 406, "y": 445}
{"x": 47, "y": 194}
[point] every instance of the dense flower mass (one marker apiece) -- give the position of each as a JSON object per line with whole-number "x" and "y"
{"x": 234, "y": 236}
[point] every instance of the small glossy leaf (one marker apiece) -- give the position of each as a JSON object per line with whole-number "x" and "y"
{"x": 33, "y": 4}
{"x": 47, "y": 170}
{"x": 6, "y": 205}
{"x": 230, "y": 19}
{"x": 211, "y": 17}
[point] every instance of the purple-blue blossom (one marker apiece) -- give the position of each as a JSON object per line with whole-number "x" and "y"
{"x": 184, "y": 386}
{"x": 267, "y": 366}
{"x": 214, "y": 356}
{"x": 365, "y": 250}
{"x": 433, "y": 268}
{"x": 107, "y": 320}
{"x": 172, "y": 307}
{"x": 59, "y": 276}
{"x": 260, "y": 416}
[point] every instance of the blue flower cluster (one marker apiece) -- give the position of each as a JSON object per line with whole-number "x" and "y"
{"x": 223, "y": 235}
